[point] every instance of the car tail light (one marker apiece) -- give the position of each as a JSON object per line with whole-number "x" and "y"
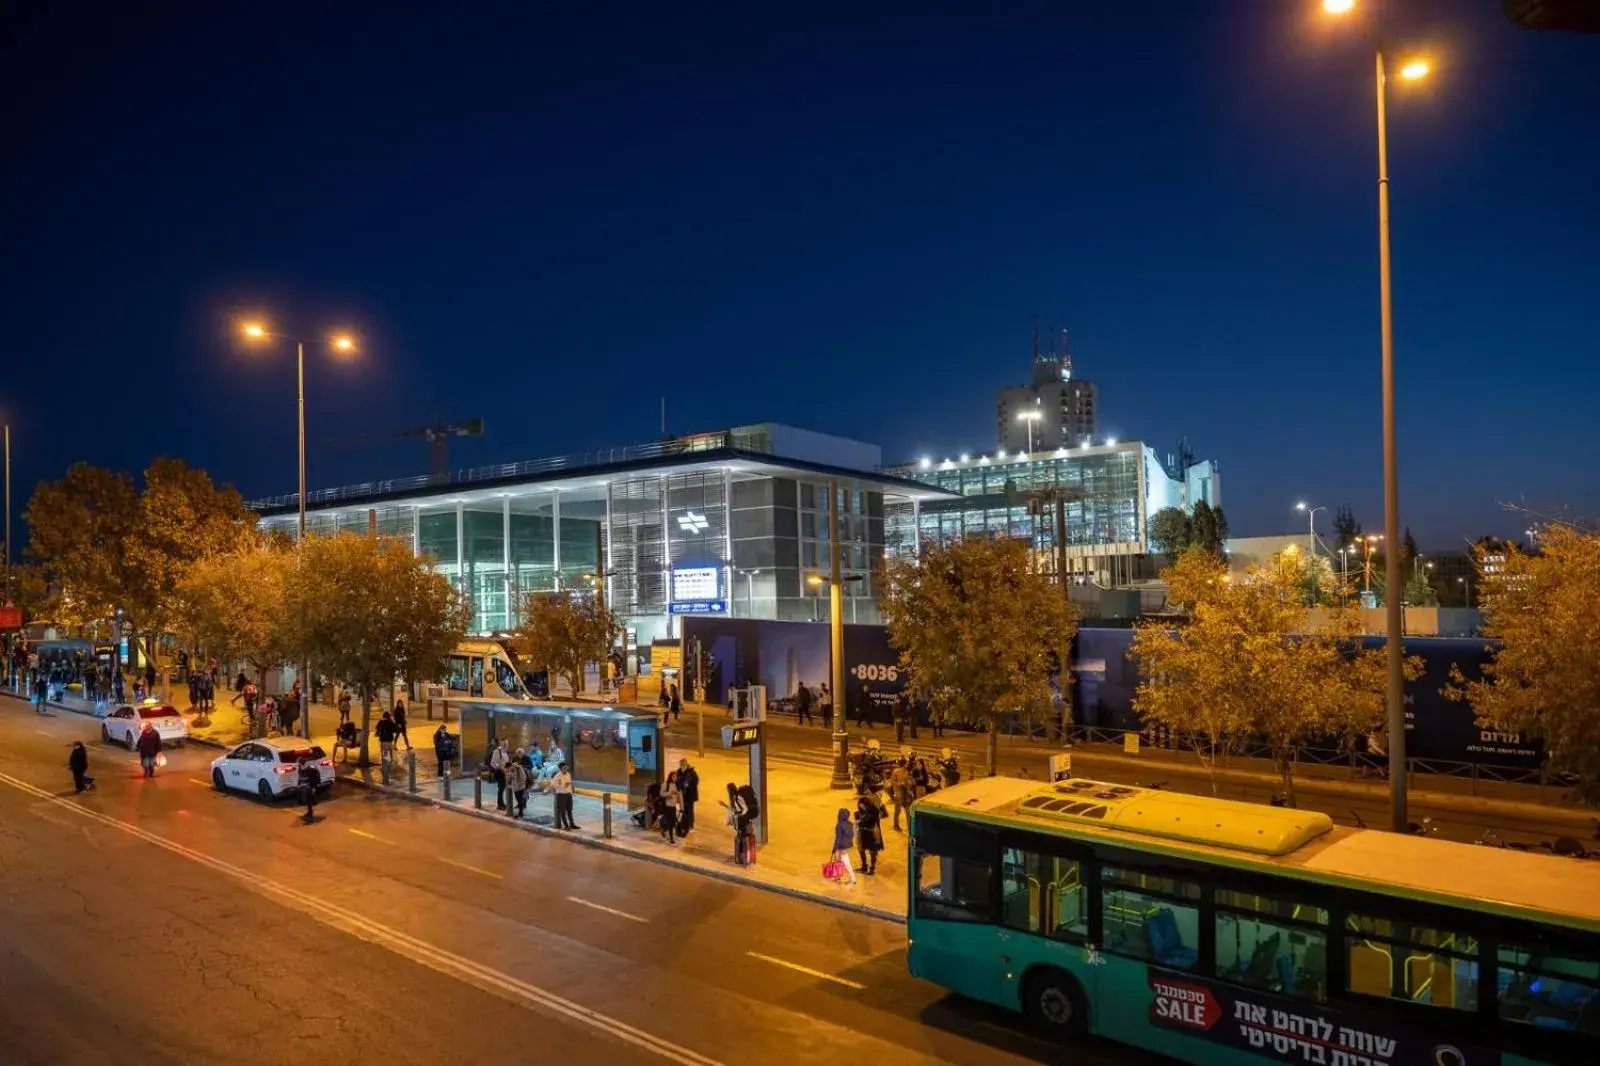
{"x": 280, "y": 768}
{"x": 325, "y": 762}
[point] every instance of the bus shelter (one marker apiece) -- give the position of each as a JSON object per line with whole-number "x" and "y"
{"x": 607, "y": 749}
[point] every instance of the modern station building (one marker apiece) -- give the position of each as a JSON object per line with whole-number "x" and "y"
{"x": 731, "y": 523}
{"x": 1108, "y": 493}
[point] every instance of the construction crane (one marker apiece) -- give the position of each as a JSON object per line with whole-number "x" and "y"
{"x": 437, "y": 435}
{"x": 438, "y": 438}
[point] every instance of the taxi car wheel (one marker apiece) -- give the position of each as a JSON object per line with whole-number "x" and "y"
{"x": 217, "y": 780}
{"x": 127, "y": 738}
{"x": 105, "y": 734}
{"x": 265, "y": 791}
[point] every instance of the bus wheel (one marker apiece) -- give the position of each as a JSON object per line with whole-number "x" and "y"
{"x": 1053, "y": 1001}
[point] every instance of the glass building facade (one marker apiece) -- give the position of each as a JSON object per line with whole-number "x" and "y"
{"x": 746, "y": 524}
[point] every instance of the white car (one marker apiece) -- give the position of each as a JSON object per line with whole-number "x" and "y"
{"x": 270, "y": 768}
{"x": 123, "y": 725}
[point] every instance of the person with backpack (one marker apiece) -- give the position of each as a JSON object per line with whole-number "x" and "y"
{"x": 738, "y": 819}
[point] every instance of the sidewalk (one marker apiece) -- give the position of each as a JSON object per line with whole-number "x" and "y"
{"x": 802, "y": 813}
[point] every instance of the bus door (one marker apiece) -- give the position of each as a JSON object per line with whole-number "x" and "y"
{"x": 1044, "y": 909}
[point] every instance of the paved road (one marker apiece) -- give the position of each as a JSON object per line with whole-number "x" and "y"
{"x": 1453, "y": 817}
{"x": 158, "y": 921}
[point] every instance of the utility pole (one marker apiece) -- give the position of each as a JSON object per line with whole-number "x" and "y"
{"x": 841, "y": 736}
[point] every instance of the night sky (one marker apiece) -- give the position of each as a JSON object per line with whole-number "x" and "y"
{"x": 551, "y": 217}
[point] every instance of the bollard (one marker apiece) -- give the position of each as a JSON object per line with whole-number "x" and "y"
{"x": 448, "y": 774}
{"x": 411, "y": 769}
{"x": 477, "y": 791}
{"x": 383, "y": 770}
{"x": 605, "y": 812}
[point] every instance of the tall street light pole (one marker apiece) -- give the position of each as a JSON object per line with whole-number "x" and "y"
{"x": 841, "y": 736}
{"x": 1311, "y": 544}
{"x": 1030, "y": 417}
{"x": 1393, "y": 583}
{"x": 339, "y": 342}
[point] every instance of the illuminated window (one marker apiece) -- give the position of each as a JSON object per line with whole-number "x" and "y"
{"x": 1419, "y": 964}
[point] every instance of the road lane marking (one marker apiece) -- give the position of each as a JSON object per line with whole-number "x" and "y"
{"x": 608, "y": 910}
{"x": 369, "y": 836}
{"x": 419, "y": 951}
{"x": 199, "y": 781}
{"x": 44, "y": 732}
{"x": 474, "y": 869}
{"x": 806, "y": 970}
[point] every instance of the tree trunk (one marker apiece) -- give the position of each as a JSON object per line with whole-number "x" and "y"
{"x": 991, "y": 746}
{"x": 261, "y": 694}
{"x": 365, "y": 759}
{"x": 1285, "y": 763}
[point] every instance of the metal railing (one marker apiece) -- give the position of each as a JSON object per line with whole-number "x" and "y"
{"x": 475, "y": 475}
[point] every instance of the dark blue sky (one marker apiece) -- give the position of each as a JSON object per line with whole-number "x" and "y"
{"x": 552, "y": 217}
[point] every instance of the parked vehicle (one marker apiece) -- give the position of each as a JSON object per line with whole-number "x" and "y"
{"x": 269, "y": 767}
{"x": 122, "y": 726}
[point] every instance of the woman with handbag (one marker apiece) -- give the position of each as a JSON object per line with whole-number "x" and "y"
{"x": 738, "y": 818}
{"x": 844, "y": 836}
{"x": 671, "y": 808}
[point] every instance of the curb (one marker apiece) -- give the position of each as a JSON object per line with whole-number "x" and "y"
{"x": 617, "y": 849}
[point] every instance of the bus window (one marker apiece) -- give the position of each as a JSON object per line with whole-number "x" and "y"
{"x": 1548, "y": 990}
{"x": 1398, "y": 960}
{"x": 1043, "y": 894}
{"x": 458, "y": 673}
{"x": 1272, "y": 944}
{"x": 1143, "y": 915}
{"x": 476, "y": 676}
{"x": 506, "y": 677}
{"x": 954, "y": 870}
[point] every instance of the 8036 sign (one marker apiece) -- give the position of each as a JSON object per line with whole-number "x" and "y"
{"x": 874, "y": 672}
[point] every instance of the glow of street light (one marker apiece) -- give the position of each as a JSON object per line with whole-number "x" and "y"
{"x": 1412, "y": 71}
{"x": 1301, "y": 506}
{"x": 1338, "y": 7}
{"x": 254, "y": 330}
{"x": 343, "y": 342}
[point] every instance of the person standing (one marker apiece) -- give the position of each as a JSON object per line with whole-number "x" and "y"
{"x": 240, "y": 682}
{"x": 309, "y": 780}
{"x": 517, "y": 785}
{"x": 825, "y": 698}
{"x": 869, "y": 841}
{"x": 78, "y": 763}
{"x": 863, "y": 709}
{"x": 344, "y": 705}
{"x": 386, "y": 735}
{"x": 671, "y": 808}
{"x": 150, "y": 678}
{"x": 561, "y": 785}
{"x": 843, "y": 837}
{"x": 689, "y": 789}
{"x": 677, "y": 702}
{"x": 802, "y": 705}
{"x": 739, "y": 819}
{"x": 149, "y": 747}
{"x": 444, "y": 750}
{"x": 400, "y": 720}
{"x": 900, "y": 792}
{"x": 949, "y": 768}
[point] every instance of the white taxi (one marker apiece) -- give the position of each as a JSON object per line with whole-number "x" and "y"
{"x": 270, "y": 768}
{"x": 124, "y": 724}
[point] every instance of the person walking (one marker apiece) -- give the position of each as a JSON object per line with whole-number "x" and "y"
{"x": 825, "y": 699}
{"x": 400, "y": 720}
{"x": 671, "y": 808}
{"x": 309, "y": 780}
{"x": 149, "y": 747}
{"x": 499, "y": 755}
{"x": 802, "y": 705}
{"x": 901, "y": 793}
{"x": 78, "y": 763}
{"x": 240, "y": 682}
{"x": 150, "y": 678}
{"x": 444, "y": 751}
{"x": 517, "y": 784}
{"x": 561, "y": 785}
{"x": 869, "y": 840}
{"x": 677, "y": 703}
{"x": 844, "y": 835}
{"x": 689, "y": 789}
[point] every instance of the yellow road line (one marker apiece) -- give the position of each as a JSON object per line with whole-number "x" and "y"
{"x": 199, "y": 781}
{"x": 474, "y": 869}
{"x": 608, "y": 910}
{"x": 805, "y": 970}
{"x": 370, "y": 836}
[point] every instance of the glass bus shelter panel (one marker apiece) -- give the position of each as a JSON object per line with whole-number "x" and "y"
{"x": 599, "y": 755}
{"x": 645, "y": 757}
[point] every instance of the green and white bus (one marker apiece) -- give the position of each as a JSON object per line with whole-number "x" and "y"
{"x": 1229, "y": 933}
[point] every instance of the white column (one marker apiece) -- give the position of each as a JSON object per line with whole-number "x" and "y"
{"x": 416, "y": 531}
{"x": 505, "y": 546}
{"x": 555, "y": 534}
{"x": 606, "y": 563}
{"x": 666, "y": 560}
{"x": 916, "y": 528}
{"x": 461, "y": 549}
{"x": 727, "y": 536}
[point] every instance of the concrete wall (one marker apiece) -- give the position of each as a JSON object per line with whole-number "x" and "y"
{"x": 1417, "y": 621}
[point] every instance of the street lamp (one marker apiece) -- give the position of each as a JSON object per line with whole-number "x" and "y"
{"x": 1030, "y": 417}
{"x": 337, "y": 342}
{"x": 1412, "y": 70}
{"x": 1311, "y": 543}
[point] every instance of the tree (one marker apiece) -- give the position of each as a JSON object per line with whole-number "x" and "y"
{"x": 980, "y": 631}
{"x": 1418, "y": 591}
{"x": 1208, "y": 528}
{"x": 1245, "y": 666}
{"x": 565, "y": 632}
{"x": 79, "y": 531}
{"x": 1170, "y": 531}
{"x": 1408, "y": 547}
{"x": 1544, "y": 680}
{"x": 1346, "y": 530}
{"x": 366, "y": 610}
{"x": 236, "y": 606}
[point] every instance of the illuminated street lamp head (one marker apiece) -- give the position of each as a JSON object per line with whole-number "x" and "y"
{"x": 1338, "y": 7}
{"x": 814, "y": 580}
{"x": 1414, "y": 69}
{"x": 254, "y": 330}
{"x": 1301, "y": 506}
{"x": 342, "y": 342}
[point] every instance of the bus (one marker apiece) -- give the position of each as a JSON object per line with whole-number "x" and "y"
{"x": 489, "y": 669}
{"x": 1224, "y": 933}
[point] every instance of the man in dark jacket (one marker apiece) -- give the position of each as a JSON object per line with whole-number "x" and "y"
{"x": 400, "y": 721}
{"x": 309, "y": 779}
{"x": 444, "y": 749}
{"x": 149, "y": 747}
{"x": 689, "y": 791}
{"x": 386, "y": 733}
{"x": 78, "y": 763}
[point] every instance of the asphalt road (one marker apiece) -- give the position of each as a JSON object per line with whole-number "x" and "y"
{"x": 159, "y": 921}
